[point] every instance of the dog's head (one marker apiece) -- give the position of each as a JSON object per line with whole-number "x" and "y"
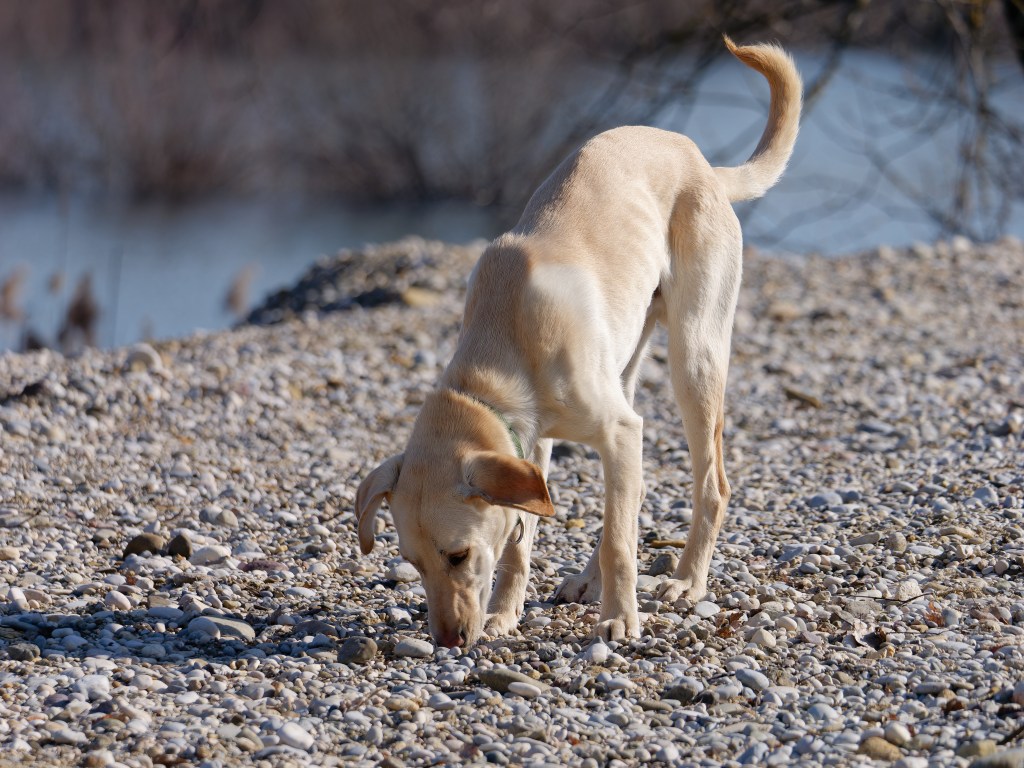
{"x": 455, "y": 505}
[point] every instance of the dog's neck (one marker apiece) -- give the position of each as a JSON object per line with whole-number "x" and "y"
{"x": 508, "y": 397}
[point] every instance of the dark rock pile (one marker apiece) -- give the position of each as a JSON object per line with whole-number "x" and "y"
{"x": 411, "y": 271}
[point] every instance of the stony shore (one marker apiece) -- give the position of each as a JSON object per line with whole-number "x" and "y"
{"x": 180, "y": 580}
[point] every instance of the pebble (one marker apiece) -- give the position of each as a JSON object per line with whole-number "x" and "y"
{"x": 896, "y": 542}
{"x": 1007, "y": 758}
{"x": 684, "y": 691}
{"x": 214, "y": 515}
{"x": 403, "y": 572}
{"x": 116, "y": 601}
{"x": 357, "y": 650}
{"x": 526, "y": 690}
{"x": 667, "y": 754}
{"x": 596, "y": 653}
{"x": 142, "y": 357}
{"x": 23, "y": 651}
{"x": 210, "y": 554}
{"x": 414, "y": 648}
{"x": 95, "y": 687}
{"x": 499, "y": 678}
{"x": 65, "y": 735}
{"x": 705, "y": 609}
{"x": 897, "y": 733}
{"x": 764, "y": 638}
{"x": 987, "y": 495}
{"x": 442, "y": 702}
{"x": 823, "y": 713}
{"x": 144, "y": 542}
{"x": 663, "y": 564}
{"x": 180, "y": 546}
{"x": 219, "y": 626}
{"x": 293, "y": 735}
{"x": 827, "y": 499}
{"x": 980, "y": 748}
{"x": 752, "y": 679}
{"x": 907, "y": 590}
{"x": 865, "y": 539}
{"x": 878, "y": 748}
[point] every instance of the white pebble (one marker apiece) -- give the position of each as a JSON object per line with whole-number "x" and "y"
{"x": 294, "y": 735}
{"x": 705, "y": 609}
{"x": 213, "y": 553}
{"x": 117, "y": 601}
{"x": 414, "y": 648}
{"x": 525, "y": 690}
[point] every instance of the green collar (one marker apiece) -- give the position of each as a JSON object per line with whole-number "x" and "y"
{"x": 501, "y": 417}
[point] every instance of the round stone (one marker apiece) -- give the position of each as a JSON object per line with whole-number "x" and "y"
{"x": 596, "y": 653}
{"x": 403, "y": 573}
{"x": 752, "y": 679}
{"x": 116, "y": 601}
{"x": 357, "y": 650}
{"x": 663, "y": 564}
{"x": 294, "y": 735}
{"x": 878, "y": 748}
{"x": 764, "y": 638}
{"x": 144, "y": 542}
{"x": 208, "y": 555}
{"x": 180, "y": 546}
{"x": 896, "y": 543}
{"x": 683, "y": 691}
{"x": 706, "y": 609}
{"x": 897, "y": 733}
{"x": 414, "y": 648}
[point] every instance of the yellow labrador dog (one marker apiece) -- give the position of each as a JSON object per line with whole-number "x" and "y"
{"x": 634, "y": 228}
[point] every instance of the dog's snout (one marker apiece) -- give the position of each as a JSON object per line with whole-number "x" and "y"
{"x": 455, "y": 638}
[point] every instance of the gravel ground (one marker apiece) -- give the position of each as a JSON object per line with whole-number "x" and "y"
{"x": 180, "y": 580}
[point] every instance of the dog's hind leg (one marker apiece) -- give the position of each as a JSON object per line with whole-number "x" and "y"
{"x": 509, "y": 595}
{"x": 631, "y": 375}
{"x": 699, "y": 329}
{"x": 584, "y": 587}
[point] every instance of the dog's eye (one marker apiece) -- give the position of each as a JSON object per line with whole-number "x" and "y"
{"x": 457, "y": 559}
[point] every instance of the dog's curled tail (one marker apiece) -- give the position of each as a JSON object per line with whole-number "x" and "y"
{"x": 765, "y": 166}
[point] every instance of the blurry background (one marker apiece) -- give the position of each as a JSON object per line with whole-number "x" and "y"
{"x": 165, "y": 163}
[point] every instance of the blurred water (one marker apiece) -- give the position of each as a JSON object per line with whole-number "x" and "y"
{"x": 160, "y": 270}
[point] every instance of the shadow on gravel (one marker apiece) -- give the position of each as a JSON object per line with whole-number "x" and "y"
{"x": 136, "y": 636}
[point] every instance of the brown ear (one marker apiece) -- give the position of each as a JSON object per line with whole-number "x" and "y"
{"x": 507, "y": 482}
{"x": 377, "y": 486}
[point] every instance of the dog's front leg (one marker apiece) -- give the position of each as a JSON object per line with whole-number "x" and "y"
{"x": 509, "y": 595}
{"x": 622, "y": 461}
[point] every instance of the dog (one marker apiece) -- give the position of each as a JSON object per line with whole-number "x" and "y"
{"x": 634, "y": 228}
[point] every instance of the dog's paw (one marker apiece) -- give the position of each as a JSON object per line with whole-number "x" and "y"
{"x": 579, "y": 588}
{"x": 500, "y": 624}
{"x": 617, "y": 629}
{"x": 671, "y": 590}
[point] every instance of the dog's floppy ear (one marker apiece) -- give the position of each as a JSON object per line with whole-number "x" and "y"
{"x": 507, "y": 482}
{"x": 377, "y": 486}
